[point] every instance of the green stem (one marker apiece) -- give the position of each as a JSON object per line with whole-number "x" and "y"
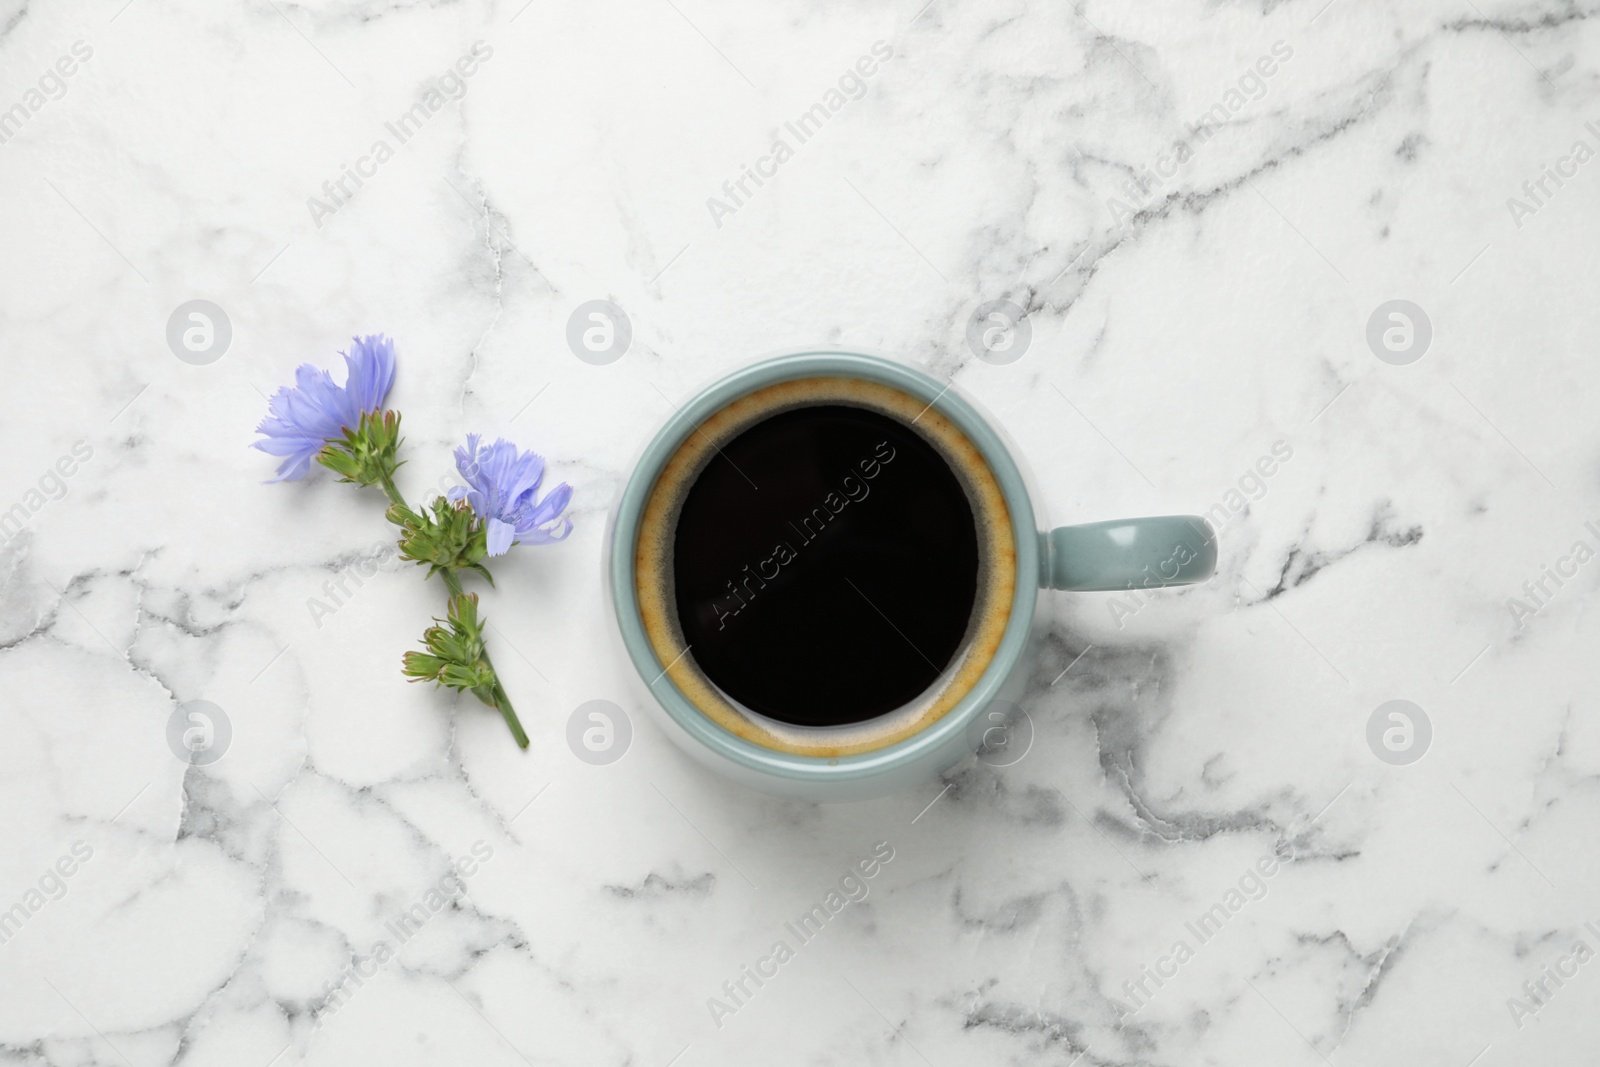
{"x": 386, "y": 479}
{"x": 502, "y": 700}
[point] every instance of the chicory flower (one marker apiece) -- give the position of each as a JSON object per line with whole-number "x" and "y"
{"x": 305, "y": 418}
{"x": 502, "y": 488}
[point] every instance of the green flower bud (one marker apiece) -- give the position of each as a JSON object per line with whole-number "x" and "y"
{"x": 444, "y": 536}
{"x": 455, "y": 655}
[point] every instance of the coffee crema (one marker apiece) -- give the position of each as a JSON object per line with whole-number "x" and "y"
{"x": 825, "y": 566}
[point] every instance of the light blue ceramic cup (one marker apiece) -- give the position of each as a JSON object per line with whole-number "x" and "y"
{"x": 1144, "y": 553}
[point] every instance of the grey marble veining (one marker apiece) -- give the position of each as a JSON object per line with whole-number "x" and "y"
{"x": 1201, "y": 859}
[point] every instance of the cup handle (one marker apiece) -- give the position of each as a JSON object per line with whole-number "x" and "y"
{"x": 1121, "y": 554}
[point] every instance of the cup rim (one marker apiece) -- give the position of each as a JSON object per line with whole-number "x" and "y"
{"x": 623, "y": 532}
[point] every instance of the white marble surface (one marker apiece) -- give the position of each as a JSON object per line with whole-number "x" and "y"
{"x": 1169, "y": 351}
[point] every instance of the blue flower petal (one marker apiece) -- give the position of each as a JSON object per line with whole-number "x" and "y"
{"x": 547, "y": 537}
{"x": 548, "y": 509}
{"x": 500, "y": 537}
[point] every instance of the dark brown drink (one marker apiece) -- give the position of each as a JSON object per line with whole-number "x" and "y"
{"x": 825, "y": 566}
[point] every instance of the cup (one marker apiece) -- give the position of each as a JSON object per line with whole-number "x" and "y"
{"x": 908, "y": 746}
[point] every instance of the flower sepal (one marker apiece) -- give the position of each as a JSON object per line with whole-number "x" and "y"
{"x": 444, "y": 536}
{"x": 367, "y": 454}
